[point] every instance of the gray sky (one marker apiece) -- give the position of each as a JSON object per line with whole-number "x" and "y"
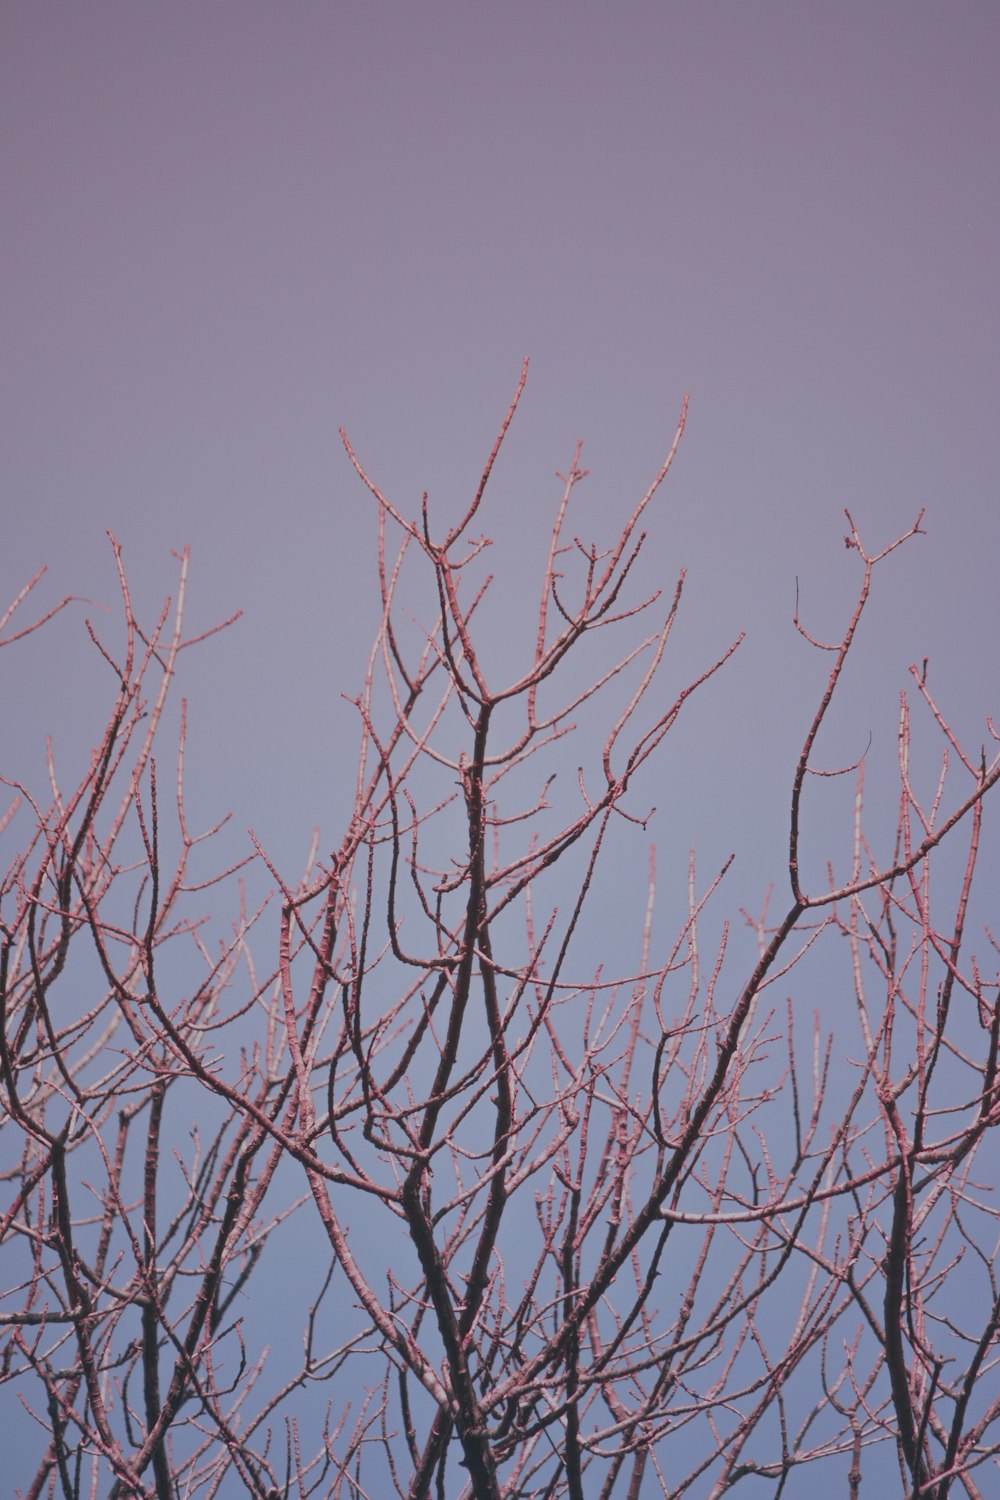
{"x": 230, "y": 229}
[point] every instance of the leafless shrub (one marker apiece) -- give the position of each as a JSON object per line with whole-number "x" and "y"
{"x": 565, "y": 1233}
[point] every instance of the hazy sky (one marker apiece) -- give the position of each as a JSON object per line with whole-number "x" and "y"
{"x": 231, "y": 228}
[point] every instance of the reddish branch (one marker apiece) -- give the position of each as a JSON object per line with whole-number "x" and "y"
{"x": 584, "y": 1234}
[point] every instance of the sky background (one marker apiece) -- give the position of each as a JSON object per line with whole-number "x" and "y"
{"x": 231, "y": 229}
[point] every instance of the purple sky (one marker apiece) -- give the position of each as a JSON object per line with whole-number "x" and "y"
{"x": 231, "y": 228}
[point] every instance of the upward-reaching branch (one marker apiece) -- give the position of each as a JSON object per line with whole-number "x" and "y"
{"x": 598, "y": 1223}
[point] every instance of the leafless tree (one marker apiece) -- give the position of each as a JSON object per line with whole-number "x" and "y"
{"x": 554, "y": 1231}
